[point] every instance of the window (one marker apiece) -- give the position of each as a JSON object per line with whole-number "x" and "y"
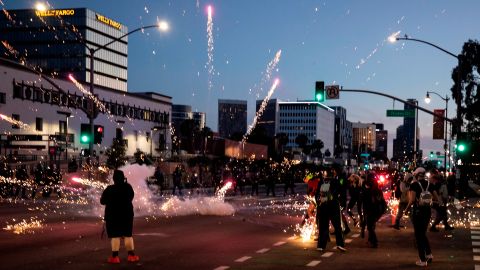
{"x": 3, "y": 98}
{"x": 62, "y": 127}
{"x": 39, "y": 124}
{"x": 16, "y": 117}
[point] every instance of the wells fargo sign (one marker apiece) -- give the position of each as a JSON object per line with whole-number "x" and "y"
{"x": 55, "y": 12}
{"x": 108, "y": 21}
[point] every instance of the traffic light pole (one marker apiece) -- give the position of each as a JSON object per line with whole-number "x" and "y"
{"x": 91, "y": 115}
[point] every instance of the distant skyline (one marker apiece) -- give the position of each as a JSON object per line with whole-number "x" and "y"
{"x": 339, "y": 42}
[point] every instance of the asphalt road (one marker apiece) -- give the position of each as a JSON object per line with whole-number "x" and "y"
{"x": 258, "y": 236}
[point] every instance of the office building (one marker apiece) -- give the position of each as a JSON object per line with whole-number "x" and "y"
{"x": 343, "y": 131}
{"x": 54, "y": 40}
{"x": 232, "y": 117}
{"x": 268, "y": 119}
{"x": 363, "y": 139}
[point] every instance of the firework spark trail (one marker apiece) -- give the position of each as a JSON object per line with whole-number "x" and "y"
{"x": 221, "y": 192}
{"x": 13, "y": 121}
{"x": 260, "y": 110}
{"x": 270, "y": 68}
{"x": 86, "y": 92}
{"x": 209, "y": 65}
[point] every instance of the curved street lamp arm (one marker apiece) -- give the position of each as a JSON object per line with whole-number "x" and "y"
{"x": 444, "y": 98}
{"x": 120, "y": 38}
{"x": 428, "y": 43}
{"x": 397, "y": 99}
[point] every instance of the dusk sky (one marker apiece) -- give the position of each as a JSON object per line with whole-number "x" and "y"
{"x": 339, "y": 42}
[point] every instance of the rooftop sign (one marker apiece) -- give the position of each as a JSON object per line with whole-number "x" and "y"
{"x": 108, "y": 21}
{"x": 55, "y": 12}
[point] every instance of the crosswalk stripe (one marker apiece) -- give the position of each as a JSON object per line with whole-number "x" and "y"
{"x": 476, "y": 250}
{"x": 475, "y": 243}
{"x": 263, "y": 250}
{"x": 313, "y": 263}
{"x": 474, "y": 228}
{"x": 348, "y": 240}
{"x": 477, "y": 267}
{"x": 279, "y": 243}
{"x": 475, "y": 237}
{"x": 242, "y": 259}
{"x": 475, "y": 232}
{"x": 476, "y": 258}
{"x": 222, "y": 268}
{"x": 327, "y": 254}
{"x": 355, "y": 235}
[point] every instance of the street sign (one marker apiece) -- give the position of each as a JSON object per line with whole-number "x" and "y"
{"x": 401, "y": 113}
{"x": 332, "y": 91}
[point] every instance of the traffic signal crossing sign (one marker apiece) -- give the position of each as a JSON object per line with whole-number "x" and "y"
{"x": 85, "y": 134}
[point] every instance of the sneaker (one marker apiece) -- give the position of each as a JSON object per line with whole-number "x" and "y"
{"x": 342, "y": 249}
{"x": 429, "y": 258}
{"x": 421, "y": 263}
{"x": 396, "y": 227}
{"x": 434, "y": 229}
{"x": 133, "y": 258}
{"x": 115, "y": 259}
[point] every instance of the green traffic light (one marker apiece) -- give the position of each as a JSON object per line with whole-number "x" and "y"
{"x": 461, "y": 147}
{"x": 85, "y": 139}
{"x": 319, "y": 97}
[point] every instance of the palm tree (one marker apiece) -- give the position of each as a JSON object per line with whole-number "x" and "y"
{"x": 301, "y": 140}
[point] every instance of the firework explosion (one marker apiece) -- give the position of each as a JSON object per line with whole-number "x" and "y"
{"x": 20, "y": 124}
{"x": 209, "y": 64}
{"x": 260, "y": 110}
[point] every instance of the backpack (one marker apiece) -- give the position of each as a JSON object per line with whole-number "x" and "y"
{"x": 323, "y": 193}
{"x": 426, "y": 197}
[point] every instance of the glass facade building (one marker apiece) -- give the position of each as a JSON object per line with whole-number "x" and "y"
{"x": 54, "y": 41}
{"x": 232, "y": 117}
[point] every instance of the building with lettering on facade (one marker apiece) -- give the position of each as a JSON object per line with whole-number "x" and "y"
{"x": 54, "y": 41}
{"x": 42, "y": 113}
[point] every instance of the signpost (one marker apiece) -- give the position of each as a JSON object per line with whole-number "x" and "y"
{"x": 401, "y": 113}
{"x": 332, "y": 91}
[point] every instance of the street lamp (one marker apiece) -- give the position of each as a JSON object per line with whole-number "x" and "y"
{"x": 446, "y": 99}
{"x": 161, "y": 25}
{"x": 395, "y": 37}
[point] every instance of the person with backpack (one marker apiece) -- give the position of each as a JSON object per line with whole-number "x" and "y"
{"x": 403, "y": 188}
{"x": 328, "y": 210}
{"x": 441, "y": 207}
{"x": 420, "y": 198}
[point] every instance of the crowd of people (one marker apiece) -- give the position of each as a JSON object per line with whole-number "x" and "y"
{"x": 417, "y": 195}
{"x": 24, "y": 183}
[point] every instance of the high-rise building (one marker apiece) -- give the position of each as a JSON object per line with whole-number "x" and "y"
{"x": 411, "y": 131}
{"x": 343, "y": 131}
{"x": 313, "y": 119}
{"x": 363, "y": 139}
{"x": 54, "y": 40}
{"x": 381, "y": 139}
{"x": 200, "y": 119}
{"x": 269, "y": 116}
{"x": 232, "y": 117}
{"x": 399, "y": 144}
{"x": 180, "y": 113}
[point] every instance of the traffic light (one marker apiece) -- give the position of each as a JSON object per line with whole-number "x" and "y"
{"x": 431, "y": 154}
{"x": 319, "y": 91}
{"x": 98, "y": 134}
{"x": 85, "y": 133}
{"x": 463, "y": 144}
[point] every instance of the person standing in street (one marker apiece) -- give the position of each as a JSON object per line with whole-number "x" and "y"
{"x": 420, "y": 198}
{"x": 328, "y": 210}
{"x": 117, "y": 199}
{"x": 177, "y": 180}
{"x": 403, "y": 187}
{"x": 440, "y": 207}
{"x": 159, "y": 179}
{"x": 374, "y": 206}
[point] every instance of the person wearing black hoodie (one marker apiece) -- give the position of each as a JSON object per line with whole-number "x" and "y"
{"x": 117, "y": 199}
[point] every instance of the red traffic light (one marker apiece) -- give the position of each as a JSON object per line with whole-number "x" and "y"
{"x": 100, "y": 129}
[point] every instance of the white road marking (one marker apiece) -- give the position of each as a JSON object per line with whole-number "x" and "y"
{"x": 222, "y": 268}
{"x": 348, "y": 240}
{"x": 327, "y": 254}
{"x": 313, "y": 263}
{"x": 152, "y": 234}
{"x": 475, "y": 243}
{"x": 477, "y": 267}
{"x": 475, "y": 232}
{"x": 476, "y": 250}
{"x": 475, "y": 237}
{"x": 263, "y": 250}
{"x": 355, "y": 235}
{"x": 279, "y": 243}
{"x": 242, "y": 259}
{"x": 474, "y": 228}
{"x": 476, "y": 258}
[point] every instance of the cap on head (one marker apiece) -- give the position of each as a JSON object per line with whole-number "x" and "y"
{"x": 419, "y": 170}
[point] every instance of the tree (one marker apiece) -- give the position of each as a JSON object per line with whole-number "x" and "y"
{"x": 116, "y": 154}
{"x": 301, "y": 140}
{"x": 282, "y": 140}
{"x": 188, "y": 129}
{"x": 465, "y": 88}
{"x": 317, "y": 146}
